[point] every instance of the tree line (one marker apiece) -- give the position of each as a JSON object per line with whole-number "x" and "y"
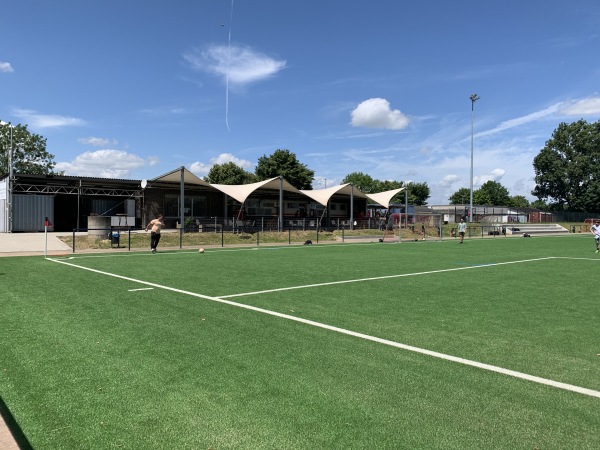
{"x": 567, "y": 171}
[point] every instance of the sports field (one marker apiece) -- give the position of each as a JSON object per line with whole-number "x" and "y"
{"x": 494, "y": 343}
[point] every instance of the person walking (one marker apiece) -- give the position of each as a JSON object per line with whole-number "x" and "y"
{"x": 462, "y": 227}
{"x": 596, "y": 232}
{"x": 155, "y": 226}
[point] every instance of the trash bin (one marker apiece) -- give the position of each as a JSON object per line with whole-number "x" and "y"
{"x": 114, "y": 238}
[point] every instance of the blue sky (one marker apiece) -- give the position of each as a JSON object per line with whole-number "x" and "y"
{"x": 137, "y": 88}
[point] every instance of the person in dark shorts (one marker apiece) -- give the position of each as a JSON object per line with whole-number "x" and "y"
{"x": 155, "y": 226}
{"x": 462, "y": 227}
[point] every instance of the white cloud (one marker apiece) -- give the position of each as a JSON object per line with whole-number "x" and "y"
{"x": 6, "y": 67}
{"x": 494, "y": 175}
{"x": 201, "y": 169}
{"x": 97, "y": 142}
{"x": 241, "y": 65}
{"x": 322, "y": 182}
{"x": 164, "y": 111}
{"x": 585, "y": 106}
{"x": 376, "y": 113}
{"x": 449, "y": 180}
{"x": 36, "y": 120}
{"x": 153, "y": 160}
{"x": 102, "y": 163}
{"x": 228, "y": 157}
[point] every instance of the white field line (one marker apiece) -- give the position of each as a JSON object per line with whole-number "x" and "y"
{"x": 209, "y": 250}
{"x": 383, "y": 277}
{"x": 467, "y": 362}
{"x": 141, "y": 289}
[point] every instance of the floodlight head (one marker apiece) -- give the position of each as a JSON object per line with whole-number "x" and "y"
{"x": 474, "y": 97}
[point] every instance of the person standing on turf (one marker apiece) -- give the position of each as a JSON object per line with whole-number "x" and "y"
{"x": 462, "y": 227}
{"x": 155, "y": 225}
{"x": 596, "y": 232}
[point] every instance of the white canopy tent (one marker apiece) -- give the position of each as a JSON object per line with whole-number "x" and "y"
{"x": 384, "y": 198}
{"x": 241, "y": 192}
{"x": 181, "y": 175}
{"x": 323, "y": 196}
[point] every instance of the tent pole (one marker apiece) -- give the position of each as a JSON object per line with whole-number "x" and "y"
{"x": 352, "y": 207}
{"x": 280, "y": 203}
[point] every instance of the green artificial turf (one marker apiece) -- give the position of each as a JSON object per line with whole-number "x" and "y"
{"x": 89, "y": 360}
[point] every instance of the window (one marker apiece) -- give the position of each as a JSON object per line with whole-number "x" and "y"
{"x": 193, "y": 206}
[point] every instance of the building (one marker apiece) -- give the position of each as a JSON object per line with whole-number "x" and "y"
{"x": 66, "y": 203}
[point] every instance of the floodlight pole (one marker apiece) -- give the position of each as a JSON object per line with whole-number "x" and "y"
{"x": 181, "y": 206}
{"x": 474, "y": 98}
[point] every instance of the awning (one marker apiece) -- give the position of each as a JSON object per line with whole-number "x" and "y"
{"x": 322, "y": 196}
{"x": 383, "y": 198}
{"x": 175, "y": 177}
{"x": 241, "y": 192}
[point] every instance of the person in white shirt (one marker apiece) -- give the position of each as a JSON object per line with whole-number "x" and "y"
{"x": 462, "y": 227}
{"x": 596, "y": 232}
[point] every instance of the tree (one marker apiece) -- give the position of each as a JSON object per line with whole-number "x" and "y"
{"x": 229, "y": 173}
{"x": 284, "y": 163}
{"x": 567, "y": 169}
{"x": 518, "y": 201}
{"x": 363, "y": 182}
{"x": 388, "y": 185}
{"x": 461, "y": 197}
{"x": 418, "y": 193}
{"x": 539, "y": 204}
{"x": 29, "y": 151}
{"x": 491, "y": 193}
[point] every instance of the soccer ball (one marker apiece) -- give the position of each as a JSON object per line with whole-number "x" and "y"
{"x": 201, "y": 250}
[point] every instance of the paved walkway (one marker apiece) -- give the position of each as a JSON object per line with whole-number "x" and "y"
{"x": 7, "y": 441}
{"x": 12, "y": 244}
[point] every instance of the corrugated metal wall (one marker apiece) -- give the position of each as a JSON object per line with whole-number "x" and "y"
{"x": 30, "y": 212}
{"x": 3, "y": 219}
{"x": 3, "y": 206}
